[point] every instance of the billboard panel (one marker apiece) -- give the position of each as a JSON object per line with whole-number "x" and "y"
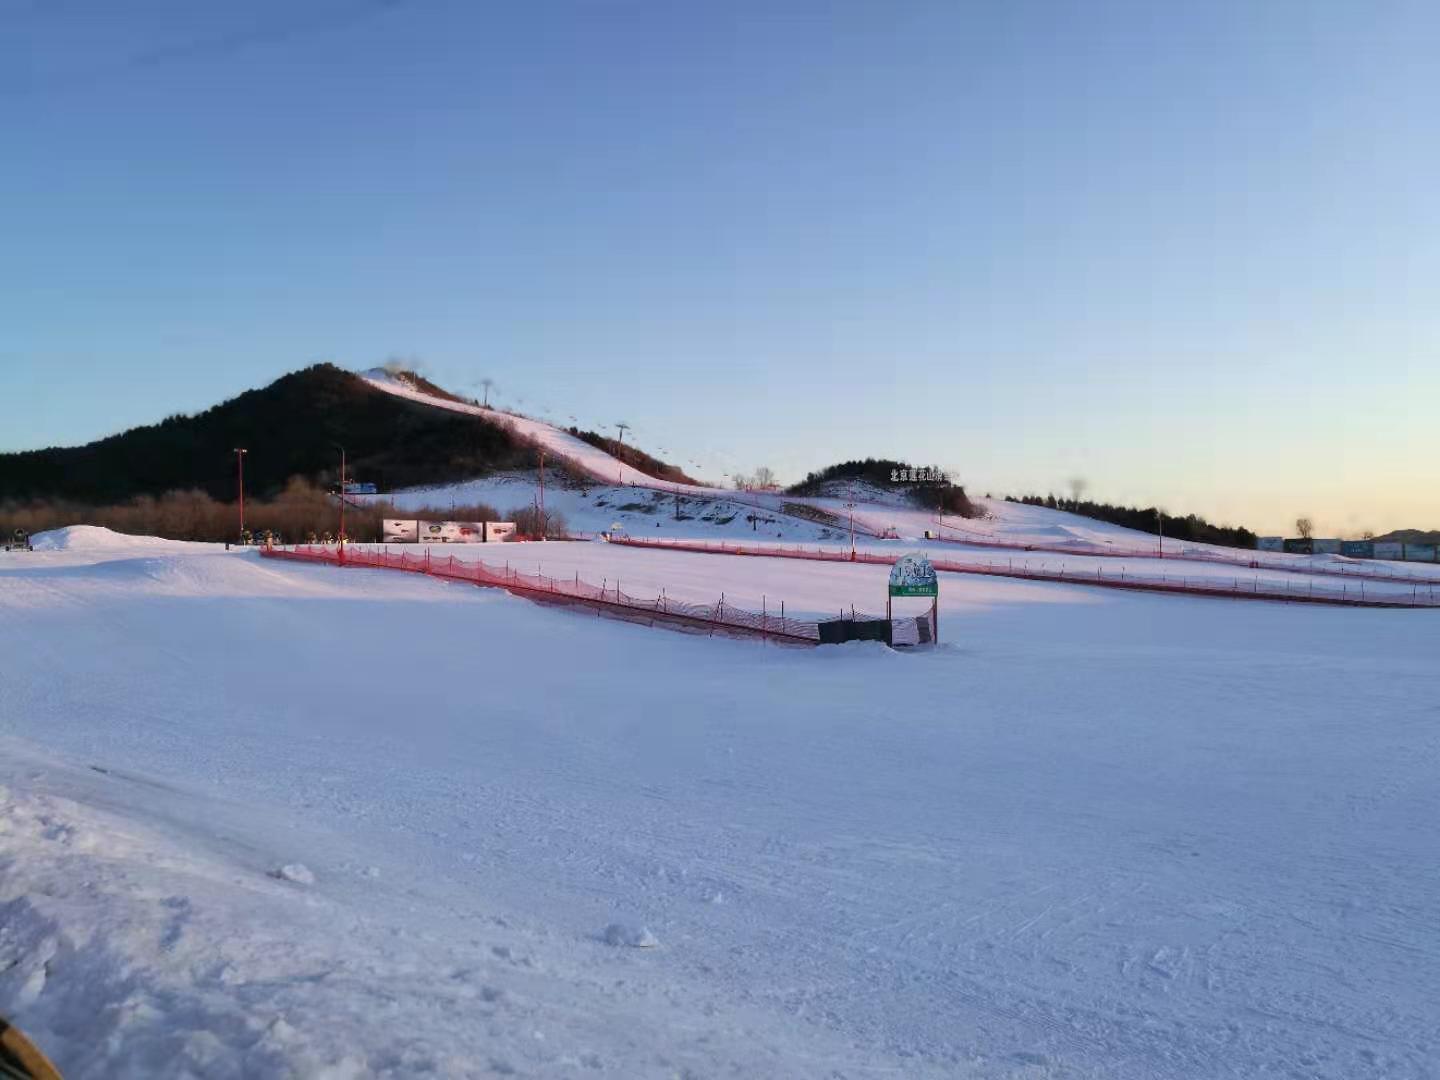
{"x": 1270, "y": 543}
{"x": 1300, "y": 547}
{"x": 1358, "y": 549}
{"x": 452, "y": 532}
{"x": 396, "y": 531}
{"x": 1419, "y": 552}
{"x": 1389, "y": 549}
{"x": 913, "y": 575}
{"x": 1326, "y": 547}
{"x": 498, "y": 531}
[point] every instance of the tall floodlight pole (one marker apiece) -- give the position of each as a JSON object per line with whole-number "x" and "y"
{"x": 342, "y": 500}
{"x": 850, "y": 502}
{"x": 622, "y": 427}
{"x": 1160, "y": 526}
{"x": 543, "y": 523}
{"x": 240, "y": 453}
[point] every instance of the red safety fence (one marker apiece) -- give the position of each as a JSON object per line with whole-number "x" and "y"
{"x": 1247, "y": 560}
{"x": 1347, "y": 595}
{"x": 719, "y": 616}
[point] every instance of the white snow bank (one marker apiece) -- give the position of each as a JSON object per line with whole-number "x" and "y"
{"x": 1121, "y": 836}
{"x": 97, "y": 538}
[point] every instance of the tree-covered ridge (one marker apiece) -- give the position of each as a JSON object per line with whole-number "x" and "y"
{"x": 1190, "y": 527}
{"x": 888, "y": 473}
{"x": 290, "y": 428}
{"x": 634, "y": 457}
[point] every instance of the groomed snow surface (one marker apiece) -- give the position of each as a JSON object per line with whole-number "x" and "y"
{"x": 264, "y": 818}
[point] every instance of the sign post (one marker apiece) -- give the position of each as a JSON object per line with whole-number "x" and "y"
{"x": 914, "y": 575}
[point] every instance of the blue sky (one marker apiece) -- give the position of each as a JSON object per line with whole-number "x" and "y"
{"x": 1189, "y": 252}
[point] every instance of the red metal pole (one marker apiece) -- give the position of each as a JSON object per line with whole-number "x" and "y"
{"x": 240, "y": 466}
{"x": 851, "y": 503}
{"x": 342, "y": 504}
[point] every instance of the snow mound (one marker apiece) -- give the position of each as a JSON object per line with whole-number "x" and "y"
{"x": 94, "y": 538}
{"x": 629, "y": 935}
{"x": 298, "y": 873}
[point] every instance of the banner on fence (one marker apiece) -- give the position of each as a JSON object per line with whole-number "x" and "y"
{"x": 1270, "y": 543}
{"x": 1325, "y": 547}
{"x": 498, "y": 531}
{"x": 1420, "y": 552}
{"x": 1358, "y": 549}
{"x": 1300, "y": 547}
{"x": 1389, "y": 549}
{"x": 395, "y": 531}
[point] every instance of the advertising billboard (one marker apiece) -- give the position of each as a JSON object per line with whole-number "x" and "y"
{"x": 1300, "y": 547}
{"x": 913, "y": 575}
{"x": 452, "y": 532}
{"x": 1419, "y": 552}
{"x": 1358, "y": 549}
{"x": 1326, "y": 547}
{"x": 1389, "y": 549}
{"x": 1270, "y": 543}
{"x": 409, "y": 531}
{"x": 396, "y": 531}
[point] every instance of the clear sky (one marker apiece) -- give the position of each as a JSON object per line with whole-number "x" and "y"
{"x": 1190, "y": 252}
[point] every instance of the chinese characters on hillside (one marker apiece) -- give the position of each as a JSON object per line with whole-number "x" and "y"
{"x": 925, "y": 475}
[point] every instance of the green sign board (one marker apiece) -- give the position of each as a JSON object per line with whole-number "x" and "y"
{"x": 912, "y": 575}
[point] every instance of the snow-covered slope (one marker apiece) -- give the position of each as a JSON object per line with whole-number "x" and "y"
{"x": 596, "y": 508}
{"x": 875, "y": 512}
{"x": 294, "y": 820}
{"x": 585, "y": 459}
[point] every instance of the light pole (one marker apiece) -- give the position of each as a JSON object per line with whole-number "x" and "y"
{"x": 240, "y": 453}
{"x": 543, "y": 529}
{"x": 850, "y": 502}
{"x": 1160, "y": 526}
{"x": 342, "y": 500}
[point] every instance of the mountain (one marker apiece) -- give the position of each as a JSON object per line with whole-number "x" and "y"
{"x": 1413, "y": 536}
{"x": 290, "y": 428}
{"x": 398, "y": 429}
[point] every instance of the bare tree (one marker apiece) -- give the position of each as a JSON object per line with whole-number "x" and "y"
{"x": 764, "y": 477}
{"x": 1368, "y": 534}
{"x": 1305, "y": 527}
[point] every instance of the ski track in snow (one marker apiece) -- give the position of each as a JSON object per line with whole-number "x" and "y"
{"x": 1092, "y": 835}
